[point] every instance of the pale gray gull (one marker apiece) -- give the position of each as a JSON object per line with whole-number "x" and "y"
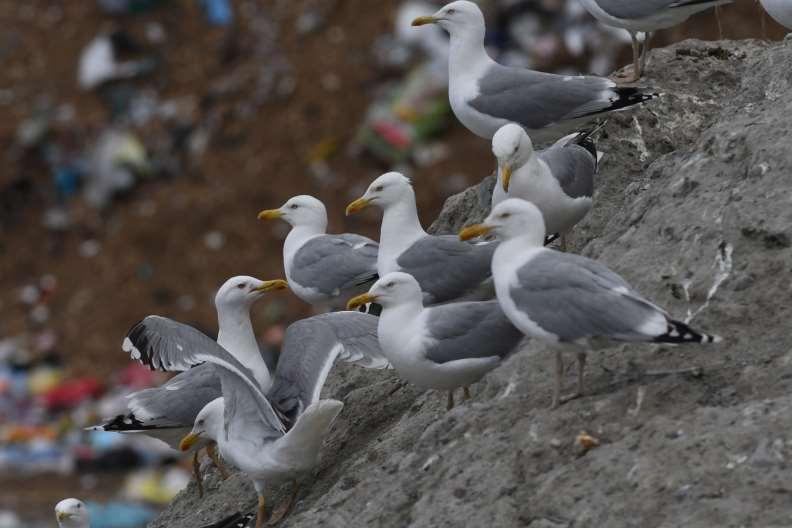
{"x": 485, "y": 95}
{"x": 446, "y": 268}
{"x": 558, "y": 180}
{"x": 323, "y": 269}
{"x": 645, "y": 16}
{"x": 567, "y": 299}
{"x": 441, "y": 347}
{"x": 275, "y": 434}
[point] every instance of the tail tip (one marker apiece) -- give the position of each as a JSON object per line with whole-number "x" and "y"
{"x": 715, "y": 339}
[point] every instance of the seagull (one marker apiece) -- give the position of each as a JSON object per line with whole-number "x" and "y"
{"x": 780, "y": 10}
{"x": 72, "y": 513}
{"x": 446, "y": 268}
{"x": 272, "y": 434}
{"x": 485, "y": 95}
{"x": 645, "y": 16}
{"x": 558, "y": 180}
{"x": 168, "y": 412}
{"x": 323, "y": 269}
{"x": 567, "y": 299}
{"x": 440, "y": 347}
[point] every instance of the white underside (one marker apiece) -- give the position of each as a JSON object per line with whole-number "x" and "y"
{"x": 403, "y": 337}
{"x": 780, "y": 10}
{"x": 560, "y": 211}
{"x": 661, "y": 20}
{"x": 289, "y": 456}
{"x": 508, "y": 258}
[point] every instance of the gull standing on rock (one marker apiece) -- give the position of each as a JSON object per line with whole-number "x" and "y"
{"x": 438, "y": 347}
{"x": 323, "y": 269}
{"x": 645, "y": 16}
{"x": 567, "y": 299}
{"x": 485, "y": 95}
{"x": 558, "y": 180}
{"x": 72, "y": 513}
{"x": 168, "y": 412}
{"x": 446, "y": 268}
{"x": 272, "y": 434}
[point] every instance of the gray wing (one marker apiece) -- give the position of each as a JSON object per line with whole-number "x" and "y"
{"x": 575, "y": 298}
{"x": 536, "y": 100}
{"x": 334, "y": 263}
{"x": 447, "y": 268}
{"x": 574, "y": 168}
{"x": 634, "y": 9}
{"x": 164, "y": 344}
{"x": 168, "y": 412}
{"x": 309, "y": 350}
{"x": 470, "y": 330}
{"x": 178, "y": 401}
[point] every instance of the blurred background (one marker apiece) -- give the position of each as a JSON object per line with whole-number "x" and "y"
{"x": 139, "y": 140}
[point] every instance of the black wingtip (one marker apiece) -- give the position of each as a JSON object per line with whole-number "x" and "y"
{"x": 237, "y": 520}
{"x": 631, "y": 96}
{"x": 136, "y": 344}
{"x": 679, "y": 332}
{"x": 122, "y": 423}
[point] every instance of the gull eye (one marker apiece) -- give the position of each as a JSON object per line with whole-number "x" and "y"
{"x": 242, "y": 286}
{"x": 293, "y": 206}
{"x": 391, "y": 284}
{"x": 79, "y": 505}
{"x": 450, "y": 11}
{"x": 379, "y": 188}
{"x": 505, "y": 215}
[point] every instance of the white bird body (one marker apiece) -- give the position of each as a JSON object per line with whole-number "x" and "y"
{"x": 403, "y": 335}
{"x": 535, "y": 182}
{"x": 279, "y": 460}
{"x": 780, "y": 10}
{"x": 660, "y": 19}
{"x": 510, "y": 256}
{"x": 467, "y": 62}
{"x": 295, "y": 240}
{"x": 400, "y": 230}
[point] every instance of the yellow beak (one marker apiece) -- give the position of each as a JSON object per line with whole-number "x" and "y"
{"x": 423, "y": 20}
{"x": 271, "y": 285}
{"x": 476, "y": 230}
{"x": 360, "y": 300}
{"x": 62, "y": 515}
{"x": 188, "y": 441}
{"x": 270, "y": 214}
{"x": 506, "y": 172}
{"x": 357, "y": 205}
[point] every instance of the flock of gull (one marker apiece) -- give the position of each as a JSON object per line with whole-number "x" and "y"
{"x": 442, "y": 311}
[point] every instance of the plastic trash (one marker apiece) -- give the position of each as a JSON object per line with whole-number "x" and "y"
{"x": 218, "y": 12}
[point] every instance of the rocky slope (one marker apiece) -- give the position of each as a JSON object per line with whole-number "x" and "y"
{"x": 694, "y": 208}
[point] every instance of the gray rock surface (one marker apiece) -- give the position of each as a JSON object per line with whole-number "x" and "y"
{"x": 694, "y": 207}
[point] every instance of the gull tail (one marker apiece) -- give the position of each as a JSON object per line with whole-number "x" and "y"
{"x": 679, "y": 332}
{"x": 130, "y": 424}
{"x": 630, "y": 96}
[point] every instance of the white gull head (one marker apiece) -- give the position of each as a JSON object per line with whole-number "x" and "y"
{"x": 395, "y": 289}
{"x": 516, "y": 218}
{"x": 72, "y": 513}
